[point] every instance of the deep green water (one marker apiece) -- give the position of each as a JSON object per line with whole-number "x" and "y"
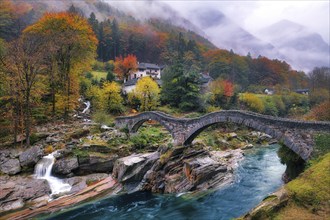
{"x": 258, "y": 175}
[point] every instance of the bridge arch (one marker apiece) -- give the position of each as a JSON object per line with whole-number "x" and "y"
{"x": 136, "y": 124}
{"x": 210, "y": 120}
{"x": 204, "y": 125}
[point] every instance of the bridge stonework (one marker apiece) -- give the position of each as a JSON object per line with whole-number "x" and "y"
{"x": 297, "y": 135}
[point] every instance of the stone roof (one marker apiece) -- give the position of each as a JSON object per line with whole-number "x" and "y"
{"x": 205, "y": 78}
{"x": 131, "y": 82}
{"x": 301, "y": 90}
{"x": 149, "y": 66}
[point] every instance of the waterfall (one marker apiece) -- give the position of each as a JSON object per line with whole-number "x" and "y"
{"x": 43, "y": 170}
{"x": 88, "y": 104}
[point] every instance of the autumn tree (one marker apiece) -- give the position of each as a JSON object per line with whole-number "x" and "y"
{"x": 147, "y": 91}
{"x": 252, "y": 102}
{"x": 23, "y": 64}
{"x": 113, "y": 102}
{"x": 74, "y": 49}
{"x": 221, "y": 92}
{"x": 124, "y": 66}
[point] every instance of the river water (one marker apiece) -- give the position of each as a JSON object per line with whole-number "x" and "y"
{"x": 258, "y": 175}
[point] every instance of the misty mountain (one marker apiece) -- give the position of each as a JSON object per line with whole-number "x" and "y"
{"x": 303, "y": 48}
{"x": 224, "y": 33}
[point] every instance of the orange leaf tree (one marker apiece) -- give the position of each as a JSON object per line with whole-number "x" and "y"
{"x": 124, "y": 66}
{"x": 221, "y": 91}
{"x": 71, "y": 44}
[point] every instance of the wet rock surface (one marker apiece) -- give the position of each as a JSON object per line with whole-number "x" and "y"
{"x": 16, "y": 191}
{"x": 10, "y": 166}
{"x": 65, "y": 166}
{"x": 31, "y": 156}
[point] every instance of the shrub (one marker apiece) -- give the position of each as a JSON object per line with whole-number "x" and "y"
{"x": 88, "y": 75}
{"x": 103, "y": 118}
{"x": 270, "y": 107}
{"x": 49, "y": 149}
{"x": 253, "y": 102}
{"x": 139, "y": 141}
{"x": 320, "y": 112}
{"x": 280, "y": 106}
{"x": 212, "y": 108}
{"x": 318, "y": 96}
{"x": 322, "y": 143}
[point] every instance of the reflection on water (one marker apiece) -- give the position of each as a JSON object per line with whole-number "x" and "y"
{"x": 258, "y": 175}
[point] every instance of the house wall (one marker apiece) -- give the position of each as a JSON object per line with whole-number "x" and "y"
{"x": 128, "y": 89}
{"x": 145, "y": 72}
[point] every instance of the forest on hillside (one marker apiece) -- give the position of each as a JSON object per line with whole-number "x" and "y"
{"x": 47, "y": 61}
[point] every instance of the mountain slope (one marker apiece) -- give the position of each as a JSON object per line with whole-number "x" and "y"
{"x": 304, "y": 49}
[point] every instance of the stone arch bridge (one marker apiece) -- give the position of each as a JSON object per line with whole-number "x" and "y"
{"x": 297, "y": 135}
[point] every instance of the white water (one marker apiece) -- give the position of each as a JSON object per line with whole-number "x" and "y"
{"x": 43, "y": 170}
{"x": 88, "y": 104}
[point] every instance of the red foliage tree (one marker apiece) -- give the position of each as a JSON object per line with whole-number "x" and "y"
{"x": 124, "y": 66}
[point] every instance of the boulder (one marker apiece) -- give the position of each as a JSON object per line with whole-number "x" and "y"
{"x": 264, "y": 137}
{"x": 131, "y": 170}
{"x": 79, "y": 133}
{"x": 248, "y": 146}
{"x": 31, "y": 156}
{"x": 80, "y": 182}
{"x": 17, "y": 190}
{"x": 181, "y": 170}
{"x": 11, "y": 205}
{"x": 65, "y": 166}
{"x": 96, "y": 164}
{"x": 231, "y": 135}
{"x": 10, "y": 166}
{"x": 106, "y": 128}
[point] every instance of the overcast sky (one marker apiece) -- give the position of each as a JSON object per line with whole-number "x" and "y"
{"x": 252, "y": 15}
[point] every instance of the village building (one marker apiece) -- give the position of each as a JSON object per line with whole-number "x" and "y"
{"x": 143, "y": 70}
{"x": 269, "y": 91}
{"x": 302, "y": 91}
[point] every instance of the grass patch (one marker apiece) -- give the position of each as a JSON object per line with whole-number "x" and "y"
{"x": 292, "y": 211}
{"x": 311, "y": 189}
{"x": 150, "y": 136}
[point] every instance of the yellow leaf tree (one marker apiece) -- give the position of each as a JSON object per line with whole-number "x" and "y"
{"x": 147, "y": 91}
{"x": 111, "y": 98}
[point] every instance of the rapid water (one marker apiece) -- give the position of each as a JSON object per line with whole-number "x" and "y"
{"x": 43, "y": 170}
{"x": 258, "y": 175}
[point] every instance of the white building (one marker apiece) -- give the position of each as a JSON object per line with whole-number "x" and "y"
{"x": 144, "y": 69}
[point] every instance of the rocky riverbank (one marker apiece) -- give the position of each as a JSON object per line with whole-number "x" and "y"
{"x": 88, "y": 155}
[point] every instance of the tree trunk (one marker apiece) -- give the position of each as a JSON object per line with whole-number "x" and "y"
{"x": 52, "y": 79}
{"x": 27, "y": 117}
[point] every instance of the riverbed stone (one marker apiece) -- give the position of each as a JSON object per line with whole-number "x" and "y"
{"x": 96, "y": 164}
{"x": 65, "y": 166}
{"x": 31, "y": 156}
{"x": 10, "y": 166}
{"x": 11, "y": 205}
{"x": 17, "y": 190}
{"x": 131, "y": 169}
{"x": 189, "y": 170}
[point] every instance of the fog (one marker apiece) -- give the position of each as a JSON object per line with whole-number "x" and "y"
{"x": 245, "y": 26}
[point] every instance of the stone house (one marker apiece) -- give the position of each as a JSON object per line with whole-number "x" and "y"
{"x": 144, "y": 69}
